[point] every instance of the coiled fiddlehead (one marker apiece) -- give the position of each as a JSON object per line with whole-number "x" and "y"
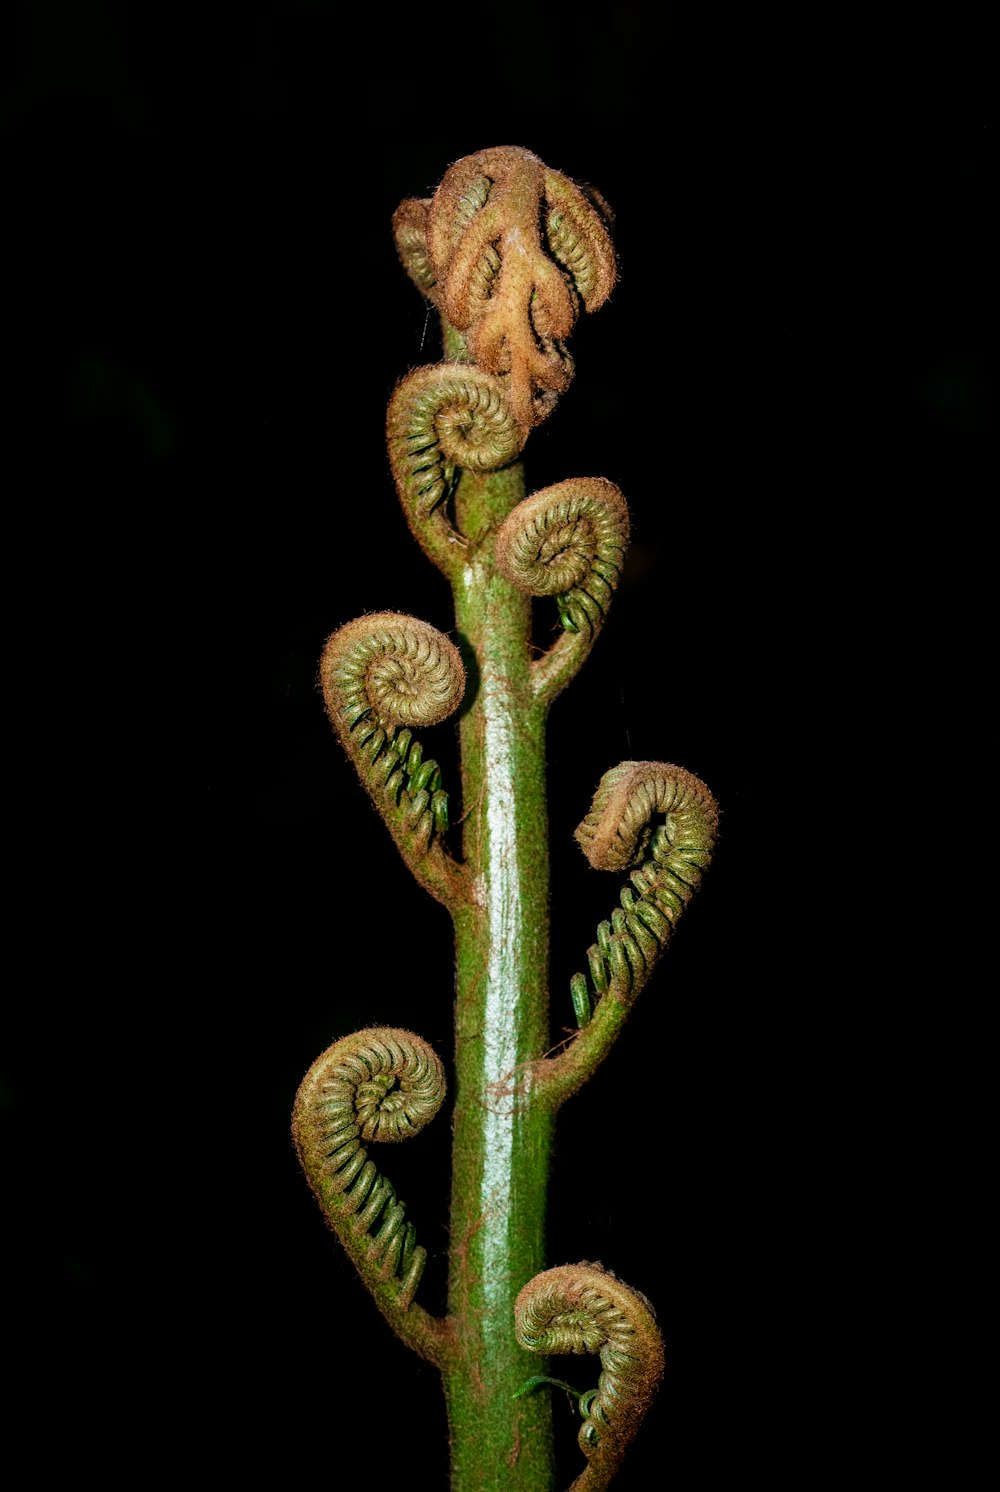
{"x": 583, "y": 1308}
{"x": 567, "y": 541}
{"x": 381, "y": 1084}
{"x": 381, "y": 676}
{"x": 506, "y": 249}
{"x": 620, "y": 831}
{"x": 442, "y": 420}
{"x": 409, "y": 230}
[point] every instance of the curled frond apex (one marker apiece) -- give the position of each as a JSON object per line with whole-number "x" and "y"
{"x": 383, "y": 676}
{"x": 583, "y": 1308}
{"x": 409, "y": 230}
{"x": 393, "y": 669}
{"x": 619, "y": 827}
{"x": 381, "y": 1084}
{"x": 568, "y": 541}
{"x": 509, "y": 249}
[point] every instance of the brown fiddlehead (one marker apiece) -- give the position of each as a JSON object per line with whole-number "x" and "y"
{"x": 383, "y": 676}
{"x": 379, "y": 1085}
{"x": 507, "y": 250}
{"x": 583, "y": 1308}
{"x": 662, "y": 821}
{"x": 567, "y": 541}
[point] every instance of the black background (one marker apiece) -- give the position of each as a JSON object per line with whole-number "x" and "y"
{"x": 206, "y": 320}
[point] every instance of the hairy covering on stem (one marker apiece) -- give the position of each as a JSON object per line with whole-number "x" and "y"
{"x": 583, "y": 1308}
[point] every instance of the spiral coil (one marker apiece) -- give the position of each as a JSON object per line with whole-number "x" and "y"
{"x": 578, "y": 239}
{"x": 443, "y": 420}
{"x": 381, "y": 675}
{"x": 381, "y": 1084}
{"x": 409, "y": 230}
{"x": 584, "y": 1308}
{"x": 618, "y": 832}
{"x": 568, "y": 541}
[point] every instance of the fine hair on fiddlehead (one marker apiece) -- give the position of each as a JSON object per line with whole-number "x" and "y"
{"x": 579, "y": 1308}
{"x": 443, "y": 420}
{"x": 568, "y": 541}
{"x": 379, "y": 1085}
{"x": 507, "y": 249}
{"x": 383, "y": 676}
{"x": 623, "y": 830}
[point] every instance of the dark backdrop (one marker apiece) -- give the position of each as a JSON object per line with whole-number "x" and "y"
{"x": 207, "y": 320}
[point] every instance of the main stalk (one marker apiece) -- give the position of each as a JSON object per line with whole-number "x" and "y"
{"x": 501, "y": 1140}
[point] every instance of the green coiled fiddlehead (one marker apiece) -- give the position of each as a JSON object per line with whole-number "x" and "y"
{"x": 620, "y": 831}
{"x": 444, "y": 420}
{"x": 661, "y": 820}
{"x": 567, "y": 541}
{"x": 379, "y": 1085}
{"x": 583, "y": 1308}
{"x": 382, "y": 675}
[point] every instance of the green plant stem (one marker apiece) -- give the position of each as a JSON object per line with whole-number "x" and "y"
{"x": 509, "y": 251}
{"x": 502, "y": 1139}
